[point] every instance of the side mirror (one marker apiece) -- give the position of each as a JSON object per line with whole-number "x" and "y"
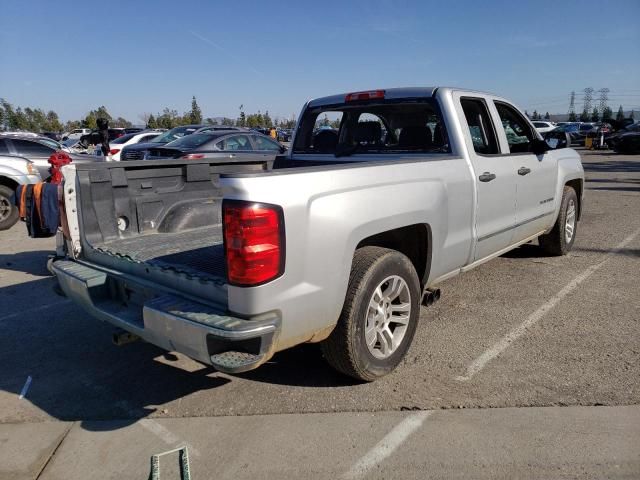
{"x": 539, "y": 147}
{"x": 557, "y": 140}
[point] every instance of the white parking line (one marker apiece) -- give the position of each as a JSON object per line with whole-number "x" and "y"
{"x": 33, "y": 310}
{"x": 387, "y": 445}
{"x": 479, "y": 363}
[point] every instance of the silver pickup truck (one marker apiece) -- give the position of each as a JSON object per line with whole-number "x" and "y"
{"x": 338, "y": 241}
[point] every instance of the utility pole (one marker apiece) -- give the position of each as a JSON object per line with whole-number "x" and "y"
{"x": 572, "y": 104}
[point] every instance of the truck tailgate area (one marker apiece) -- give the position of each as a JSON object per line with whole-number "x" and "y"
{"x": 158, "y": 221}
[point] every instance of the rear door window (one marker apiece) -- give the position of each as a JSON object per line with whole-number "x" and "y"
{"x": 235, "y": 143}
{"x": 481, "y": 130}
{"x": 4, "y": 149}
{"x": 263, "y": 143}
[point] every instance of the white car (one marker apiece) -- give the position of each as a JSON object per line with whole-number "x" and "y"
{"x": 543, "y": 127}
{"x": 75, "y": 133}
{"x": 129, "y": 139}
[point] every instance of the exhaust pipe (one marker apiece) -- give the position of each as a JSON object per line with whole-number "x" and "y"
{"x": 430, "y": 296}
{"x": 122, "y": 337}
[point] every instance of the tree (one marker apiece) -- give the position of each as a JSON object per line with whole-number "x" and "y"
{"x": 527, "y": 114}
{"x": 195, "y": 115}
{"x": 267, "y": 122}
{"x": 536, "y": 115}
{"x": 595, "y": 116}
{"x": 53, "y": 122}
{"x": 620, "y": 114}
{"x": 168, "y": 118}
{"x": 607, "y": 114}
{"x": 632, "y": 116}
{"x": 324, "y": 122}
{"x": 242, "y": 119}
{"x": 547, "y": 116}
{"x": 90, "y": 121}
{"x": 72, "y": 124}
{"x": 573, "y": 117}
{"x": 121, "y": 123}
{"x": 151, "y": 121}
{"x": 584, "y": 116}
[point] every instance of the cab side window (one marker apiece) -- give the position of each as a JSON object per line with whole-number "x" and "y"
{"x": 480, "y": 126}
{"x": 516, "y": 128}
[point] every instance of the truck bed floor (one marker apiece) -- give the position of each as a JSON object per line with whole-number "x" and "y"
{"x": 198, "y": 251}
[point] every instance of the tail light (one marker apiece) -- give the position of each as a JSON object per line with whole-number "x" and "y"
{"x": 254, "y": 242}
{"x": 192, "y": 156}
{"x": 113, "y": 151}
{"x": 368, "y": 95}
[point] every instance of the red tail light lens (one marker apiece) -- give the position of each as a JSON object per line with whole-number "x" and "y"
{"x": 192, "y": 156}
{"x": 368, "y": 95}
{"x": 254, "y": 242}
{"x": 113, "y": 151}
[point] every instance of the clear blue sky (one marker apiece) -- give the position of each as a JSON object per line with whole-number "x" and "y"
{"x": 140, "y": 56}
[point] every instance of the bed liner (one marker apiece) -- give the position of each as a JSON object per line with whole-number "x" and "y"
{"x": 197, "y": 252}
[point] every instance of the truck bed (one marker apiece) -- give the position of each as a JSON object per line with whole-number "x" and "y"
{"x": 197, "y": 252}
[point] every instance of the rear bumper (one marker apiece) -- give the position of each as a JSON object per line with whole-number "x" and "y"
{"x": 174, "y": 323}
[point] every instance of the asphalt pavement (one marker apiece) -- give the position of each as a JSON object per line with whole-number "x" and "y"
{"x": 523, "y": 330}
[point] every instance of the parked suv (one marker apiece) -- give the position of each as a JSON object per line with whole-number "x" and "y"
{"x": 14, "y": 171}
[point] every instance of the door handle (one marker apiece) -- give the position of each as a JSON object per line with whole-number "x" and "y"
{"x": 523, "y": 170}
{"x": 487, "y": 177}
{"x": 231, "y": 155}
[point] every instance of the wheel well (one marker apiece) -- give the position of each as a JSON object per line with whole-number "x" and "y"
{"x": 414, "y": 241}
{"x": 8, "y": 182}
{"x": 577, "y": 186}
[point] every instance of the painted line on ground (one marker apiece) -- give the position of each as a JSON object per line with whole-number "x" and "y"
{"x": 385, "y": 447}
{"x": 33, "y": 310}
{"x": 25, "y": 388}
{"x": 479, "y": 363}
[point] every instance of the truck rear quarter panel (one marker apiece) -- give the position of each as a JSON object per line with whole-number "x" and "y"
{"x": 328, "y": 212}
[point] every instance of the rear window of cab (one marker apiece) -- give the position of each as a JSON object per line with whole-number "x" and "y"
{"x": 378, "y": 126}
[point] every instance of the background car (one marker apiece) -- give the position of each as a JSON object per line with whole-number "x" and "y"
{"x": 140, "y": 150}
{"x": 14, "y": 171}
{"x": 625, "y": 140}
{"x": 543, "y": 126}
{"x": 573, "y": 129}
{"x": 130, "y": 139}
{"x": 613, "y": 138}
{"x": 38, "y": 151}
{"x": 222, "y": 144}
{"x": 76, "y": 133}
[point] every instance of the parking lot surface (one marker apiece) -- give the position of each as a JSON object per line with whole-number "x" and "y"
{"x": 523, "y": 330}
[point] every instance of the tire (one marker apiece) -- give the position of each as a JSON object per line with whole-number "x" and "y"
{"x": 8, "y": 211}
{"x": 362, "y": 343}
{"x": 559, "y": 241}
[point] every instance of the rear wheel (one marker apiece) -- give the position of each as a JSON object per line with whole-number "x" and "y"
{"x": 559, "y": 241}
{"x": 8, "y": 211}
{"x": 379, "y": 317}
